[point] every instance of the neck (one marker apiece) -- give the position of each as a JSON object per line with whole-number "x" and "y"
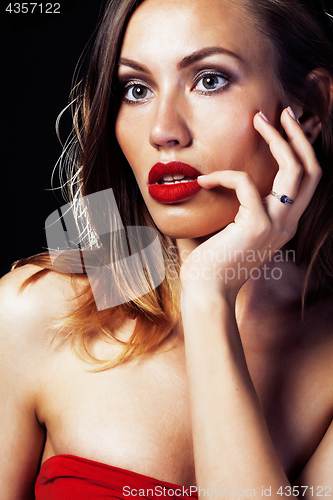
{"x": 278, "y": 276}
{"x": 186, "y": 246}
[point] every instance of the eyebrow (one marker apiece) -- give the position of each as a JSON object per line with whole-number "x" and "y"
{"x": 186, "y": 61}
{"x": 201, "y": 54}
{"x": 131, "y": 64}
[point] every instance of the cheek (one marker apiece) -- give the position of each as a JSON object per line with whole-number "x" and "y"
{"x": 132, "y": 139}
{"x": 255, "y": 157}
{"x": 121, "y": 131}
{"x": 232, "y": 143}
{"x": 128, "y": 134}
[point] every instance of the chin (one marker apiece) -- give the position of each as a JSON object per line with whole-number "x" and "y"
{"x": 200, "y": 217}
{"x": 190, "y": 231}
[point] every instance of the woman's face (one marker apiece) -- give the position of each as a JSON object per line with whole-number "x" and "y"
{"x": 194, "y": 75}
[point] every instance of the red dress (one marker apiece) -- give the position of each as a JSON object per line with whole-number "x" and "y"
{"x": 67, "y": 477}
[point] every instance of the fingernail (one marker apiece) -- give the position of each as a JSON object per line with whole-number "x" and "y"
{"x": 264, "y": 117}
{"x": 201, "y": 176}
{"x": 292, "y": 114}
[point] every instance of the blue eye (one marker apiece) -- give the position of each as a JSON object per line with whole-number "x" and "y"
{"x": 137, "y": 92}
{"x": 211, "y": 82}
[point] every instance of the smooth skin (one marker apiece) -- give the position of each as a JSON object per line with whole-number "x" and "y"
{"x": 255, "y": 395}
{"x": 163, "y": 101}
{"x": 216, "y": 364}
{"x": 177, "y": 121}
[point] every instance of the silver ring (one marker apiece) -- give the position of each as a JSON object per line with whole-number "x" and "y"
{"x": 282, "y": 197}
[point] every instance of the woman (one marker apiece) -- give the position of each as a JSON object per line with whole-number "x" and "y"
{"x": 217, "y": 109}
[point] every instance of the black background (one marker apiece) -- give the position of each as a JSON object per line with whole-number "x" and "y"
{"x": 38, "y": 55}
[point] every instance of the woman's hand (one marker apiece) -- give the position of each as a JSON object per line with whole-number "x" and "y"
{"x": 260, "y": 226}
{"x": 232, "y": 445}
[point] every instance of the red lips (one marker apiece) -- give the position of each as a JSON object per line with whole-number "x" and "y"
{"x": 173, "y": 192}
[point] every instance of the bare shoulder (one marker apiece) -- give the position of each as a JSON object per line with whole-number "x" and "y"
{"x": 25, "y": 336}
{"x": 28, "y": 309}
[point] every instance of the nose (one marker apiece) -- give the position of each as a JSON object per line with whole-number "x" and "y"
{"x": 170, "y": 128}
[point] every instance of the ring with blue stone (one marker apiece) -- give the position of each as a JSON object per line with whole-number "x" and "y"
{"x": 282, "y": 197}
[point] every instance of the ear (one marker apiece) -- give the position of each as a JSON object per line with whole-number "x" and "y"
{"x": 318, "y": 102}
{"x": 311, "y": 126}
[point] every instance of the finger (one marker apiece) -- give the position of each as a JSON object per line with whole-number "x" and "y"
{"x": 289, "y": 175}
{"x": 244, "y": 186}
{"x": 305, "y": 153}
{"x": 241, "y": 182}
{"x": 298, "y": 174}
{"x": 298, "y": 140}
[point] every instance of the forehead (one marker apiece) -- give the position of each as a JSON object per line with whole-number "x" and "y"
{"x": 161, "y": 29}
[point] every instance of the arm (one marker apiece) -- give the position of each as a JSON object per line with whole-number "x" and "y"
{"x": 232, "y": 446}
{"x": 21, "y": 435}
{"x": 317, "y": 475}
{"x": 233, "y": 449}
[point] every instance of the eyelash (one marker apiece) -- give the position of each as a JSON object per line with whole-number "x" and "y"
{"x": 131, "y": 84}
{"x": 219, "y": 89}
